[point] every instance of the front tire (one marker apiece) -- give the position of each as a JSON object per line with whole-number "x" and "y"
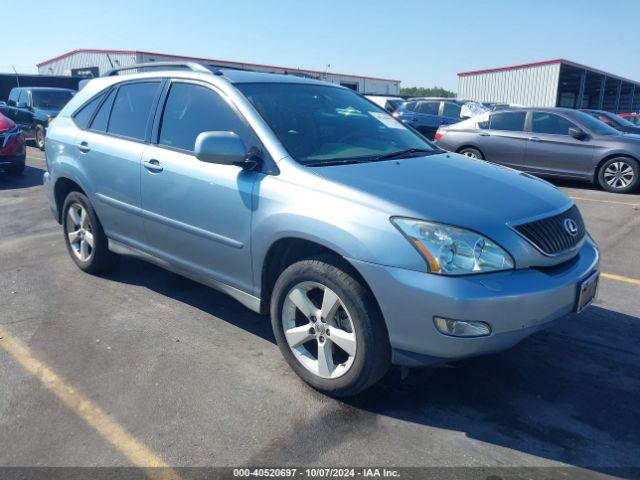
{"x": 619, "y": 175}
{"x": 40, "y": 135}
{"x": 472, "y": 153}
{"x": 329, "y": 328}
{"x": 84, "y": 237}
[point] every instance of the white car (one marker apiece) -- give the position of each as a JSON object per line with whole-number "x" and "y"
{"x": 388, "y": 103}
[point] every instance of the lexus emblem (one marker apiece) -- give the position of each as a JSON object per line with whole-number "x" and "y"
{"x": 570, "y": 226}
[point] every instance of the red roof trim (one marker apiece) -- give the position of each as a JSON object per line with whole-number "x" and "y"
{"x": 212, "y": 60}
{"x": 515, "y": 67}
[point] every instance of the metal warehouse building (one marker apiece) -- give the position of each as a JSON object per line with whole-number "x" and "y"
{"x": 553, "y": 83}
{"x": 96, "y": 62}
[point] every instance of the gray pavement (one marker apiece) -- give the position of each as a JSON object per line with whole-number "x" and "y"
{"x": 197, "y": 378}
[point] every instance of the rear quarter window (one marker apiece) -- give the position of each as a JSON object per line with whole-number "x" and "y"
{"x": 83, "y": 116}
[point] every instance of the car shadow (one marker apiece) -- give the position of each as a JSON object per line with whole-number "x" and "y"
{"x": 570, "y": 394}
{"x": 32, "y": 177}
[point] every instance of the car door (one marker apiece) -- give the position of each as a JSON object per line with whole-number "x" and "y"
{"x": 450, "y": 113}
{"x": 197, "y": 215}
{"x": 110, "y": 152}
{"x": 23, "y": 114}
{"x": 504, "y": 141}
{"x": 551, "y": 150}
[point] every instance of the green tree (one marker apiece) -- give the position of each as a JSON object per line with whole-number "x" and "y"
{"x": 426, "y": 92}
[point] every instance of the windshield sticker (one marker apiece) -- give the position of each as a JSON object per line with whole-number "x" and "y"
{"x": 386, "y": 120}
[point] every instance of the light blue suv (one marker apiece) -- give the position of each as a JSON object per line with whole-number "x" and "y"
{"x": 368, "y": 245}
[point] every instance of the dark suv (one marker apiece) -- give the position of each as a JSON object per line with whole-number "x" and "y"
{"x": 33, "y": 108}
{"x": 427, "y": 114}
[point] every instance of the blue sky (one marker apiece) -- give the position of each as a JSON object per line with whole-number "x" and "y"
{"x": 421, "y": 43}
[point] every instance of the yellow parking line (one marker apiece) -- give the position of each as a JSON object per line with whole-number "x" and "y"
{"x": 109, "y": 429}
{"x": 620, "y": 278}
{"x": 606, "y": 201}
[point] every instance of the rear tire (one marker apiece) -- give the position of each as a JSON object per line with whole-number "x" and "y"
{"x": 84, "y": 237}
{"x": 471, "y": 153}
{"x": 619, "y": 175}
{"x": 359, "y": 352}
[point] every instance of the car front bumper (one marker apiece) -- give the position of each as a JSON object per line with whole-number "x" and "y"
{"x": 515, "y": 304}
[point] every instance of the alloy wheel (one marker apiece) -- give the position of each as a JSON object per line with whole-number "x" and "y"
{"x": 79, "y": 232}
{"x": 619, "y": 175}
{"x": 470, "y": 154}
{"x": 319, "y": 329}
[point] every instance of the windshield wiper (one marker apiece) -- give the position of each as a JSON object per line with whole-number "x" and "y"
{"x": 407, "y": 152}
{"x": 329, "y": 163}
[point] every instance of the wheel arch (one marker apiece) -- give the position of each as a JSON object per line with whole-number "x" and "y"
{"x": 288, "y": 250}
{"x": 61, "y": 189}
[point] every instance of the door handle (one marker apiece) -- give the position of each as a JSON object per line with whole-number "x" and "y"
{"x": 153, "y": 165}
{"x": 534, "y": 139}
{"x": 484, "y": 134}
{"x": 83, "y": 147}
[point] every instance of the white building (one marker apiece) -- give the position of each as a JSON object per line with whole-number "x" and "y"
{"x": 552, "y": 83}
{"x": 97, "y": 62}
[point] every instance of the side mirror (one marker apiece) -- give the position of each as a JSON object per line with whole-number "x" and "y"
{"x": 577, "y": 133}
{"x": 224, "y": 148}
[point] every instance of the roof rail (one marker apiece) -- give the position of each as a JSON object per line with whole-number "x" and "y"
{"x": 193, "y": 66}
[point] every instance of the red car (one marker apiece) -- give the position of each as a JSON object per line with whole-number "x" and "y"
{"x": 631, "y": 117}
{"x": 12, "y": 147}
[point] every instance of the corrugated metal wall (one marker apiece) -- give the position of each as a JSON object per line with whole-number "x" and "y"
{"x": 103, "y": 61}
{"x": 107, "y": 61}
{"x": 529, "y": 86}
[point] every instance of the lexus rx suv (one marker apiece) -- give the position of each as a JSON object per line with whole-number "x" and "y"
{"x": 366, "y": 244}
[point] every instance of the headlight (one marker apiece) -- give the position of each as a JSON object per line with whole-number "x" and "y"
{"x": 453, "y": 251}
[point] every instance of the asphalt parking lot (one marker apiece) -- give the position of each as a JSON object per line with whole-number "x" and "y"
{"x": 191, "y": 377}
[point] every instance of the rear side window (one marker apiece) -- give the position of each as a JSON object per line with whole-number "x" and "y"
{"x": 101, "y": 119}
{"x": 451, "y": 110}
{"x": 83, "y": 116}
{"x": 192, "y": 109}
{"x": 510, "y": 121}
{"x": 429, "y": 108}
{"x": 132, "y": 108}
{"x": 550, "y": 123}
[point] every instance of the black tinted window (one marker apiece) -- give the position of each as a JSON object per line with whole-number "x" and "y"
{"x": 193, "y": 109}
{"x": 101, "y": 119}
{"x": 550, "y": 123}
{"x": 451, "y": 110}
{"x": 430, "y": 108}
{"x": 13, "y": 96}
{"x": 131, "y": 109}
{"x": 83, "y": 116}
{"x": 511, "y": 121}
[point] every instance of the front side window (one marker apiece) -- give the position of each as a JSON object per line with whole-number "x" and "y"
{"x": 51, "y": 99}
{"x": 192, "y": 109}
{"x": 509, "y": 121}
{"x": 550, "y": 123}
{"x": 24, "y": 97}
{"x": 320, "y": 124}
{"x": 132, "y": 108}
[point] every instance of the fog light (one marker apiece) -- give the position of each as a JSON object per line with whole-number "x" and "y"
{"x": 461, "y": 328}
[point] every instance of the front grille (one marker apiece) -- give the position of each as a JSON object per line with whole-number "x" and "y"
{"x": 550, "y": 234}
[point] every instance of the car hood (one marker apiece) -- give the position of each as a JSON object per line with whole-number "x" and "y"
{"x": 452, "y": 189}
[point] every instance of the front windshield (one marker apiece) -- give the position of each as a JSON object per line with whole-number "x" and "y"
{"x": 51, "y": 99}
{"x": 619, "y": 120}
{"x": 320, "y": 124}
{"x": 595, "y": 126}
